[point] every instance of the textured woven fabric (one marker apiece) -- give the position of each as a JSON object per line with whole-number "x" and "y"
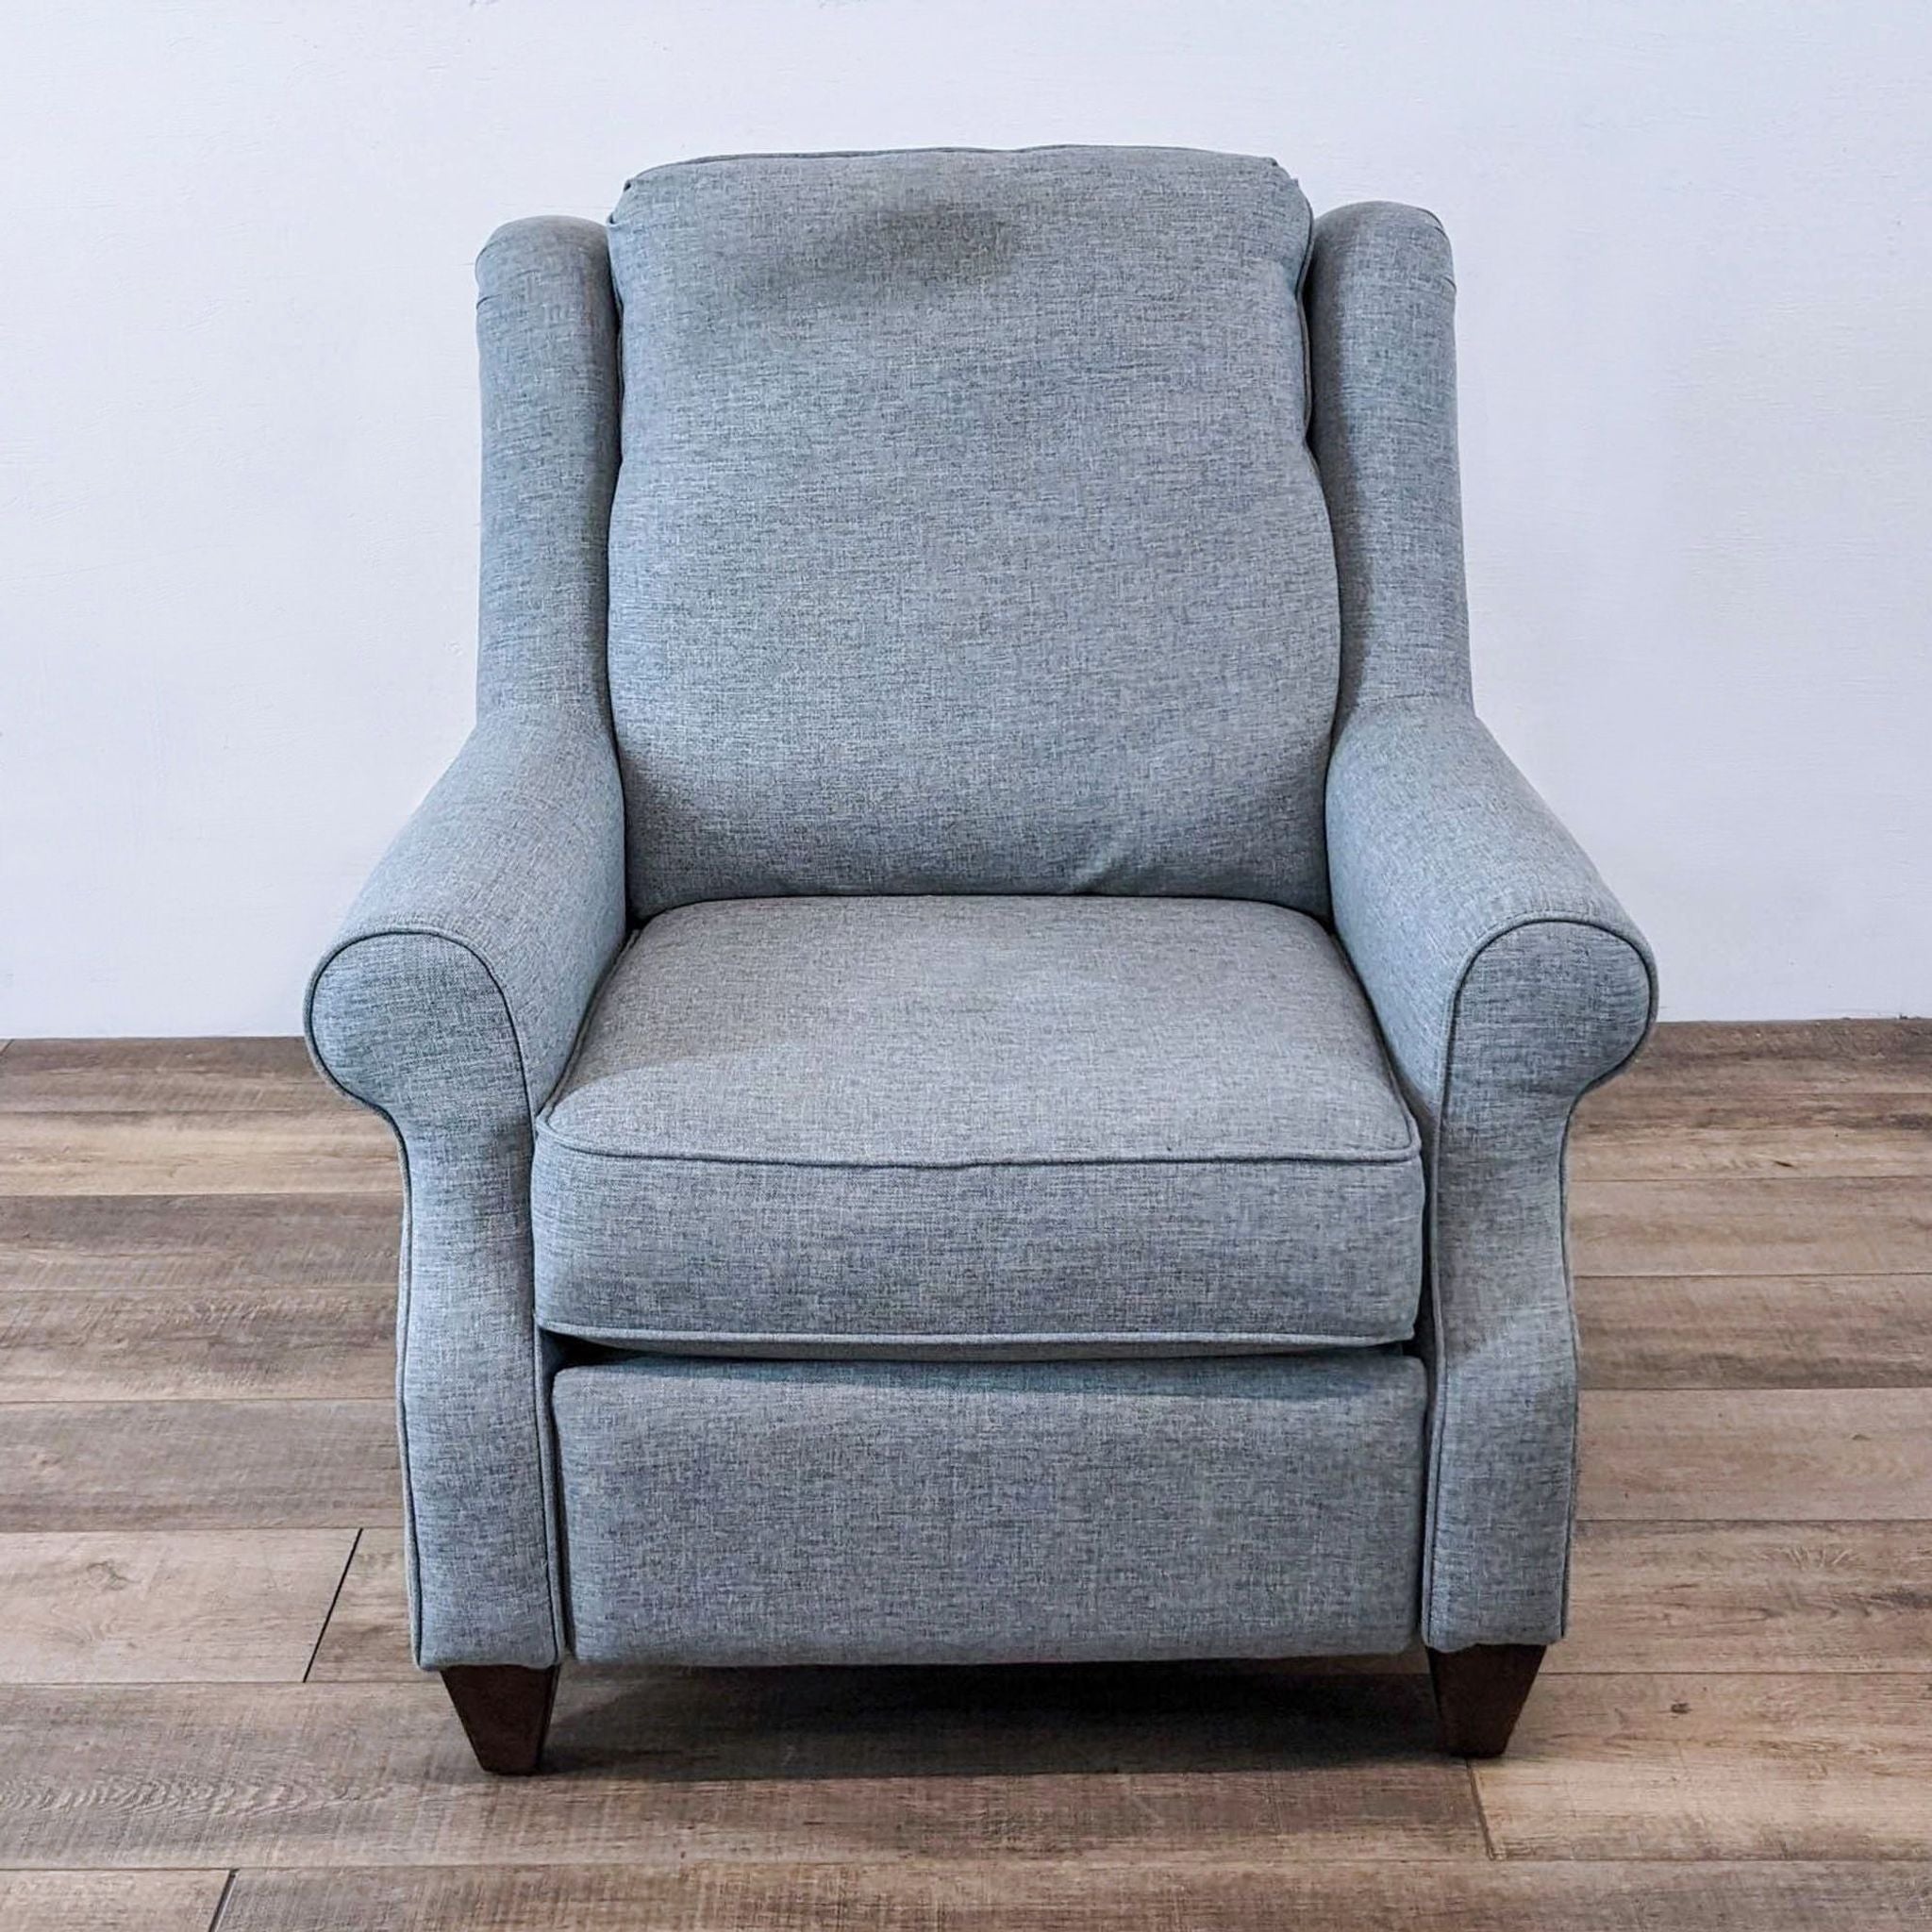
{"x": 453, "y": 995}
{"x": 1381, "y": 313}
{"x": 1506, "y": 978}
{"x": 978, "y": 1122}
{"x": 940, "y": 1513}
{"x": 968, "y": 540}
{"x": 546, "y": 336}
{"x": 967, "y": 537}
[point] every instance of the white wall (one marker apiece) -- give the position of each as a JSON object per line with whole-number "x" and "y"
{"x": 236, "y": 418}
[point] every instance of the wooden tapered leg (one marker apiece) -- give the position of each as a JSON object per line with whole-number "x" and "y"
{"x": 1480, "y": 1693}
{"x": 504, "y": 1710}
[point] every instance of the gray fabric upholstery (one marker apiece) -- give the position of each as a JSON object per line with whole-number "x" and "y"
{"x": 979, "y": 1122}
{"x": 940, "y": 1513}
{"x": 546, "y": 336}
{"x": 968, "y": 542}
{"x": 1381, "y": 317}
{"x": 1506, "y": 978}
{"x": 452, "y": 997}
{"x": 997, "y": 455}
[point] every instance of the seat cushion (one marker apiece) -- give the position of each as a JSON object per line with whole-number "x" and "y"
{"x": 981, "y": 1125}
{"x": 967, "y": 537}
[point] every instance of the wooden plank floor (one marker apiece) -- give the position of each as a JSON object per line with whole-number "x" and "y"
{"x": 209, "y": 1719}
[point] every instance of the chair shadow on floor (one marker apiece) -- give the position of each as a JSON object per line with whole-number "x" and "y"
{"x": 969, "y": 1721}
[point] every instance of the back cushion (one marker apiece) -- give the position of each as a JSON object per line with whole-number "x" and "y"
{"x": 967, "y": 537}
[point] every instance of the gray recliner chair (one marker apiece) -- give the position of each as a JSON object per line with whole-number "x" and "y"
{"x": 981, "y": 1039}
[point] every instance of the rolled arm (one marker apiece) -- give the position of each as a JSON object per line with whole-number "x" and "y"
{"x": 1508, "y": 981}
{"x": 506, "y": 890}
{"x": 453, "y": 998}
{"x": 450, "y": 1003}
{"x": 1440, "y": 851}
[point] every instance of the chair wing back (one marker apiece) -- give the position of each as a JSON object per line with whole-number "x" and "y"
{"x": 966, "y": 535}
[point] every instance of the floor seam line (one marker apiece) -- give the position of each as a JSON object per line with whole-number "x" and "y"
{"x": 222, "y": 1902}
{"x": 1482, "y": 1816}
{"x": 328, "y": 1615}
